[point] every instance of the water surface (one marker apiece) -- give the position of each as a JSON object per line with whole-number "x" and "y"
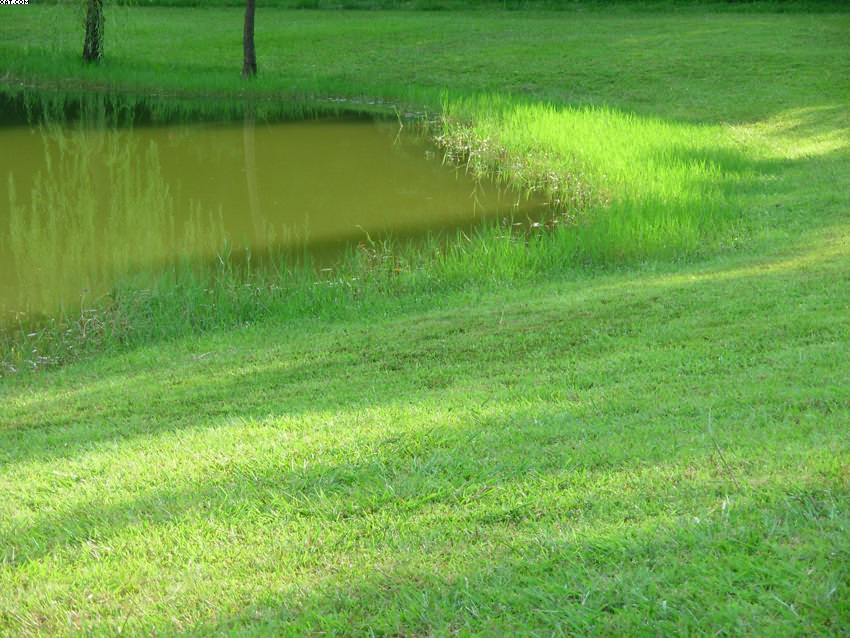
{"x": 83, "y": 203}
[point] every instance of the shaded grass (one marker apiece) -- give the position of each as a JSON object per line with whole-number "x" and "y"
{"x": 644, "y": 63}
{"x": 745, "y": 6}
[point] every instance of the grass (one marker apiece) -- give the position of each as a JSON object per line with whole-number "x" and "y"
{"x": 536, "y": 460}
{"x": 746, "y": 6}
{"x": 633, "y": 424}
{"x": 621, "y": 59}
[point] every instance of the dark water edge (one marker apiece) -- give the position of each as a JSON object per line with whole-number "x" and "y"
{"x": 23, "y": 104}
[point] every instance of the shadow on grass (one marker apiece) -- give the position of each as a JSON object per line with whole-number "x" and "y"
{"x": 594, "y": 503}
{"x": 572, "y": 339}
{"x": 421, "y": 536}
{"x": 692, "y": 576}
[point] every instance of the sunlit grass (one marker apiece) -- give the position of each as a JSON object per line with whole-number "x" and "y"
{"x": 631, "y": 186}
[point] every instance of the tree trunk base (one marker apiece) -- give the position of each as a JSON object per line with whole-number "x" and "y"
{"x": 93, "y": 46}
{"x": 249, "y": 66}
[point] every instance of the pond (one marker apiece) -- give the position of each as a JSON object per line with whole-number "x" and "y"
{"x": 87, "y": 199}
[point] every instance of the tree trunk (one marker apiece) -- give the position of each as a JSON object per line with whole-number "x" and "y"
{"x": 93, "y": 47}
{"x": 249, "y": 65}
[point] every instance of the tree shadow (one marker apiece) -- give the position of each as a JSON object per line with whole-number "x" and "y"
{"x": 761, "y": 197}
{"x": 532, "y": 534}
{"x": 328, "y": 367}
{"x": 611, "y": 579}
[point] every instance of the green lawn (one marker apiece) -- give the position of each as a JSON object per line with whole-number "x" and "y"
{"x": 636, "y": 424}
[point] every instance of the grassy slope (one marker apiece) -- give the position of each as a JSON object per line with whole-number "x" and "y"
{"x": 513, "y": 456}
{"x": 533, "y": 460}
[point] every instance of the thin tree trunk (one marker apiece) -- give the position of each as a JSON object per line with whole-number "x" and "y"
{"x": 249, "y": 65}
{"x": 93, "y": 46}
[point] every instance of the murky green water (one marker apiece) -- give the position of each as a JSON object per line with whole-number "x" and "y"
{"x": 83, "y": 204}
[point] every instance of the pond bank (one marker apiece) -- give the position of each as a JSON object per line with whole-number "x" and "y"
{"x": 670, "y": 162}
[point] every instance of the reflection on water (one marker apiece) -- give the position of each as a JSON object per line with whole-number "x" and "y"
{"x": 83, "y": 203}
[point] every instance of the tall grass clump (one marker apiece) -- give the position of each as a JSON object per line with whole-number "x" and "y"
{"x": 629, "y": 186}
